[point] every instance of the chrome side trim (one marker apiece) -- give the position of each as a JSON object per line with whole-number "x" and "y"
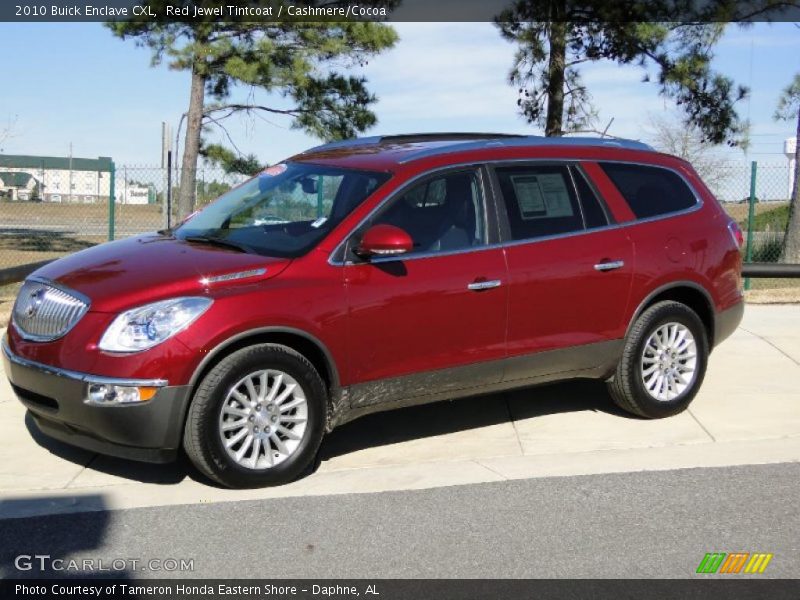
{"x": 232, "y": 276}
{"x": 508, "y": 244}
{"x": 77, "y": 376}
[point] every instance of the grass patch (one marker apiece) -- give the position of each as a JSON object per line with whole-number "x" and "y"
{"x": 774, "y": 219}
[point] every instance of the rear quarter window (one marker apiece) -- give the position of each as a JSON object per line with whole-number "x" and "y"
{"x": 650, "y": 191}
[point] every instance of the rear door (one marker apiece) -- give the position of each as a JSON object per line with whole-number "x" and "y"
{"x": 570, "y": 270}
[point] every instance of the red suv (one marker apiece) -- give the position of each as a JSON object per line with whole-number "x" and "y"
{"x": 378, "y": 273}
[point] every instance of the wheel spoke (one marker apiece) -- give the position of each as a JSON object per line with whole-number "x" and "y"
{"x": 293, "y": 404}
{"x": 227, "y": 426}
{"x": 251, "y": 390}
{"x": 288, "y": 432}
{"x": 243, "y": 400}
{"x": 279, "y": 444}
{"x": 244, "y": 447}
{"x": 287, "y": 419}
{"x": 232, "y": 410}
{"x": 285, "y": 393}
{"x": 276, "y": 385}
{"x": 234, "y": 439}
{"x": 256, "y": 451}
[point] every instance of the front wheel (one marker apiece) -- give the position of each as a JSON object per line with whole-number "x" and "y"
{"x": 257, "y": 418}
{"x": 663, "y": 362}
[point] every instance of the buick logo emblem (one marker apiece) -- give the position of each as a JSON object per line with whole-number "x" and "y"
{"x": 34, "y": 302}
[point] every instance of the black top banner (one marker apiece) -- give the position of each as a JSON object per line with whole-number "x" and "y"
{"x": 280, "y": 11}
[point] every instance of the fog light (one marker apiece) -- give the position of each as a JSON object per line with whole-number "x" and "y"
{"x": 108, "y": 395}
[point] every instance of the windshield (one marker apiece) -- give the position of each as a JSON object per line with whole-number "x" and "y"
{"x": 284, "y": 211}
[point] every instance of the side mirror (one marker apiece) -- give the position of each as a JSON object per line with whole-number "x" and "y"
{"x": 384, "y": 240}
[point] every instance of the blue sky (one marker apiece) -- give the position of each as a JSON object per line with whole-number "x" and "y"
{"x": 75, "y": 83}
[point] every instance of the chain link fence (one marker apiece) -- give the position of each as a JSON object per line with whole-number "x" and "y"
{"x": 50, "y": 211}
{"x": 757, "y": 196}
{"x": 46, "y": 215}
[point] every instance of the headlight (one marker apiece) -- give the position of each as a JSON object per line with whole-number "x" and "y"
{"x": 149, "y": 325}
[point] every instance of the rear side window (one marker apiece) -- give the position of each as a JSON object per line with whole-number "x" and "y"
{"x": 540, "y": 201}
{"x": 650, "y": 191}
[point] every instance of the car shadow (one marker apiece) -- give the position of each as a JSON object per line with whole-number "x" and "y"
{"x": 441, "y": 418}
{"x": 380, "y": 429}
{"x": 165, "y": 474}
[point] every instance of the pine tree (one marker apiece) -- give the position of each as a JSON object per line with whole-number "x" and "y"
{"x": 296, "y": 60}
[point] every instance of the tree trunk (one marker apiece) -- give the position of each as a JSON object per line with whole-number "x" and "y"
{"x": 791, "y": 248}
{"x": 555, "y": 77}
{"x": 191, "y": 147}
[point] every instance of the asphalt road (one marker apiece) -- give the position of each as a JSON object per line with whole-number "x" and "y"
{"x": 647, "y": 524}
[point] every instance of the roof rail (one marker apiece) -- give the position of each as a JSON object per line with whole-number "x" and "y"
{"x": 525, "y": 141}
{"x": 410, "y": 138}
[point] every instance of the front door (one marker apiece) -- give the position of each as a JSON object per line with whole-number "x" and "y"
{"x": 434, "y": 319}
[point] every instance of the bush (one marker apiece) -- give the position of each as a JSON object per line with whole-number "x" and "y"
{"x": 768, "y": 251}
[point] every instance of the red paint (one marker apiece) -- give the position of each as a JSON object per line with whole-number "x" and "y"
{"x": 406, "y": 316}
{"x": 385, "y": 239}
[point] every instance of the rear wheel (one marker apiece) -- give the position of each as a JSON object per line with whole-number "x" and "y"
{"x": 663, "y": 363}
{"x": 256, "y": 418}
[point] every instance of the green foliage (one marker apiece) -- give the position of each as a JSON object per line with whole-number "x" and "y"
{"x": 638, "y": 34}
{"x": 231, "y": 162}
{"x": 774, "y": 219}
{"x": 789, "y": 101}
{"x": 296, "y": 60}
{"x": 768, "y": 251}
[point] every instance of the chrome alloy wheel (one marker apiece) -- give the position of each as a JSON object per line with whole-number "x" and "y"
{"x": 669, "y": 361}
{"x": 263, "y": 419}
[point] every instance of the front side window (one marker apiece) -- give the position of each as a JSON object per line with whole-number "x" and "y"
{"x": 442, "y": 214}
{"x": 284, "y": 211}
{"x": 650, "y": 191}
{"x": 540, "y": 201}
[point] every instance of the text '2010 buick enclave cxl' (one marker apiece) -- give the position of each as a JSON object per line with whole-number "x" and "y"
{"x": 373, "y": 274}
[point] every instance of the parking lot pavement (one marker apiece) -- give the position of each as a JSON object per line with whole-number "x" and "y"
{"x": 748, "y": 412}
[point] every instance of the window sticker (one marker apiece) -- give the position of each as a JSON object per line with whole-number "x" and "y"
{"x": 542, "y": 196}
{"x": 274, "y": 170}
{"x": 319, "y": 222}
{"x": 529, "y": 196}
{"x": 556, "y": 196}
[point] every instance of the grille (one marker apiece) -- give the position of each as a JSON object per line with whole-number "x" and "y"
{"x": 43, "y": 312}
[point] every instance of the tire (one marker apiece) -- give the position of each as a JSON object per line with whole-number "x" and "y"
{"x": 633, "y": 387}
{"x": 224, "y": 406}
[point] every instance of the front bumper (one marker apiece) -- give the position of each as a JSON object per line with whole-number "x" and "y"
{"x": 148, "y": 431}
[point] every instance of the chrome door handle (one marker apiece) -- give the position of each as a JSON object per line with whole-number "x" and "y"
{"x": 477, "y": 286}
{"x": 609, "y": 266}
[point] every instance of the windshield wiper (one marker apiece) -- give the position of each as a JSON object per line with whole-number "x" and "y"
{"x": 209, "y": 239}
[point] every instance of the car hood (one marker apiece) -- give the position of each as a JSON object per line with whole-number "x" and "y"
{"x": 130, "y": 272}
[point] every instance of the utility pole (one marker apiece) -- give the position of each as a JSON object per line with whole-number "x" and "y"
{"x": 166, "y": 136}
{"x": 70, "y": 171}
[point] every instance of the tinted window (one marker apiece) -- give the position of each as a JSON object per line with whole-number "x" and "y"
{"x": 593, "y": 212}
{"x": 540, "y": 201}
{"x": 441, "y": 214}
{"x": 650, "y": 191}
